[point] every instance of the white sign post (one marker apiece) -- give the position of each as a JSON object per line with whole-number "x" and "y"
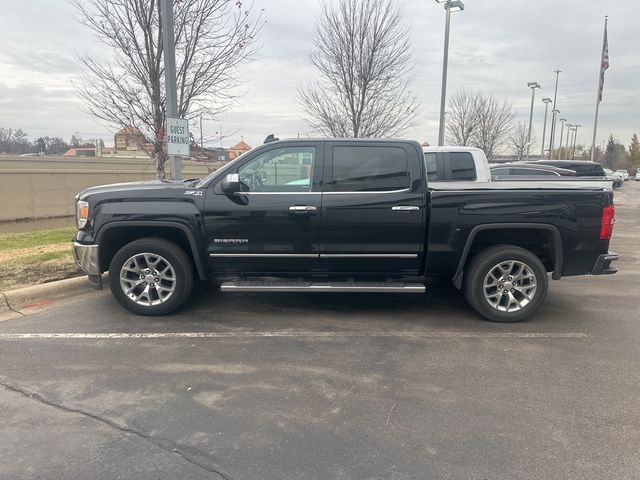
{"x": 178, "y": 137}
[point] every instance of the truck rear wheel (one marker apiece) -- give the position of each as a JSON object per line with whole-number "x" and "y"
{"x": 505, "y": 283}
{"x": 151, "y": 276}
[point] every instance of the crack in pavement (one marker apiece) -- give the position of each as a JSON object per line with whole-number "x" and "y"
{"x": 6, "y": 301}
{"x": 128, "y": 430}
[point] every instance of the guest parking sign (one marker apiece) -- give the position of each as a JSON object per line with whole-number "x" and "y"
{"x": 177, "y": 136}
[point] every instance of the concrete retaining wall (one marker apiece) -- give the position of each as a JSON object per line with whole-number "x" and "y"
{"x": 41, "y": 187}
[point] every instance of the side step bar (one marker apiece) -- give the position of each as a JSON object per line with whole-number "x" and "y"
{"x": 321, "y": 287}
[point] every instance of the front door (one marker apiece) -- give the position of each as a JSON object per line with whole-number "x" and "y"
{"x": 373, "y": 209}
{"x": 272, "y": 225}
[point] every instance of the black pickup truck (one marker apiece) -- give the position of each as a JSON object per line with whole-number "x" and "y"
{"x": 340, "y": 216}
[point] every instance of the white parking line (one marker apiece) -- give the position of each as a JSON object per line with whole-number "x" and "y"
{"x": 302, "y": 334}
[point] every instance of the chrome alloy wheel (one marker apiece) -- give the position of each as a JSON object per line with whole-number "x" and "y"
{"x": 147, "y": 279}
{"x": 510, "y": 286}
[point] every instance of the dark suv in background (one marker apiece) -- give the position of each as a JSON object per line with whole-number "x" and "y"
{"x": 518, "y": 169}
{"x": 583, "y": 168}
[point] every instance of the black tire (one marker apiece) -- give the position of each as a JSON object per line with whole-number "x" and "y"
{"x": 179, "y": 276}
{"x": 493, "y": 308}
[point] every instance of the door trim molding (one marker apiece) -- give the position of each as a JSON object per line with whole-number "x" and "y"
{"x": 368, "y": 255}
{"x": 315, "y": 255}
{"x": 264, "y": 255}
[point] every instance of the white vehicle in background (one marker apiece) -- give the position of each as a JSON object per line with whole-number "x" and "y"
{"x": 624, "y": 173}
{"x": 637, "y": 174}
{"x": 618, "y": 178}
{"x": 452, "y": 166}
{"x": 456, "y": 164}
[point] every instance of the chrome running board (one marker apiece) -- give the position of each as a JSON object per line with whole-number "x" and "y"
{"x": 321, "y": 287}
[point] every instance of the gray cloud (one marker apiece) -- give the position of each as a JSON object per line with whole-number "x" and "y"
{"x": 496, "y": 46}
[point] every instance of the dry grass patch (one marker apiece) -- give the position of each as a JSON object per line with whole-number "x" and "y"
{"x": 36, "y": 257}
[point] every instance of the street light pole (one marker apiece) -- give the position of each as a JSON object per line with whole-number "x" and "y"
{"x": 562, "y": 121}
{"x": 168, "y": 44}
{"x": 546, "y": 101}
{"x": 575, "y": 137}
{"x": 449, "y": 6}
{"x": 533, "y": 86}
{"x": 566, "y": 148}
{"x": 553, "y": 123}
{"x": 554, "y": 117}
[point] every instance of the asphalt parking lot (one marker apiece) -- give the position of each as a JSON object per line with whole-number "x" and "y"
{"x": 318, "y": 386}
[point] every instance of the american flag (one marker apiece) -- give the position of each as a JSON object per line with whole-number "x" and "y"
{"x": 604, "y": 62}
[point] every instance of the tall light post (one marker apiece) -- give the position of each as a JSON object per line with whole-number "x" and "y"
{"x": 566, "y": 148}
{"x": 575, "y": 137}
{"x": 449, "y": 6}
{"x": 546, "y": 101}
{"x": 554, "y": 117}
{"x": 553, "y": 122}
{"x": 533, "y": 86}
{"x": 562, "y": 121}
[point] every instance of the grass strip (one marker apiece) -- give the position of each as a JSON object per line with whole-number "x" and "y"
{"x": 13, "y": 241}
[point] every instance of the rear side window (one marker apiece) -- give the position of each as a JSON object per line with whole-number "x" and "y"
{"x": 462, "y": 166}
{"x": 586, "y": 170}
{"x": 583, "y": 169}
{"x": 431, "y": 165}
{"x": 369, "y": 169}
{"x": 500, "y": 172}
{"x": 533, "y": 171}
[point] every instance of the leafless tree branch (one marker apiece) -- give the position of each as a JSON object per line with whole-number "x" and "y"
{"x": 519, "y": 139}
{"x": 212, "y": 37}
{"x": 479, "y": 120}
{"x": 363, "y": 55}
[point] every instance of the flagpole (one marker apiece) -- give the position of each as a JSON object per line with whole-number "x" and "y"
{"x": 600, "y": 79}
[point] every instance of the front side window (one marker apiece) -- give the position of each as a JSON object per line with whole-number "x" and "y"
{"x": 369, "y": 169}
{"x": 462, "y": 166}
{"x": 287, "y": 169}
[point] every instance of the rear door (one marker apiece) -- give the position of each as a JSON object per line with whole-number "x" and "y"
{"x": 373, "y": 208}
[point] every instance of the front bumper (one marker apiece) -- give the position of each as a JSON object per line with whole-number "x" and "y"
{"x": 603, "y": 264}
{"x": 86, "y": 257}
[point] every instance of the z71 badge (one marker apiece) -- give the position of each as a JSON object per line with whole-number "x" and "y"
{"x": 195, "y": 193}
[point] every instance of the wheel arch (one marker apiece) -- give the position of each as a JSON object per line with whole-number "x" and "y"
{"x": 114, "y": 235}
{"x": 499, "y": 232}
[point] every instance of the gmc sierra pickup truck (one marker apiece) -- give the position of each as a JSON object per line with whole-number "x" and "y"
{"x": 341, "y": 216}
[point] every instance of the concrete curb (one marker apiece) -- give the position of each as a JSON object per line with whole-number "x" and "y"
{"x": 16, "y": 300}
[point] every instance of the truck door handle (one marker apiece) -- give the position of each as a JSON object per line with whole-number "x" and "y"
{"x": 405, "y": 208}
{"x": 302, "y": 208}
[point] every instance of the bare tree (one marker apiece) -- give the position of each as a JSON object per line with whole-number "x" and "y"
{"x": 462, "y": 118}
{"x": 495, "y": 122}
{"x": 212, "y": 38}
{"x": 518, "y": 140}
{"x": 479, "y": 120}
{"x": 14, "y": 140}
{"x": 362, "y": 53}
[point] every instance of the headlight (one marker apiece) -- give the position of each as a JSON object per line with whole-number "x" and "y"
{"x": 82, "y": 213}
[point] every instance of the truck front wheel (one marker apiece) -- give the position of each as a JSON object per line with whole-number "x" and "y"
{"x": 505, "y": 283}
{"x": 151, "y": 276}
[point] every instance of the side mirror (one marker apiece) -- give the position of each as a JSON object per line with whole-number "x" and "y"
{"x": 231, "y": 183}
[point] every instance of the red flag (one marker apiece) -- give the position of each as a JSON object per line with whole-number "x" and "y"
{"x": 604, "y": 62}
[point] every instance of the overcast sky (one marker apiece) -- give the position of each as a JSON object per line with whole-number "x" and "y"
{"x": 497, "y": 46}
